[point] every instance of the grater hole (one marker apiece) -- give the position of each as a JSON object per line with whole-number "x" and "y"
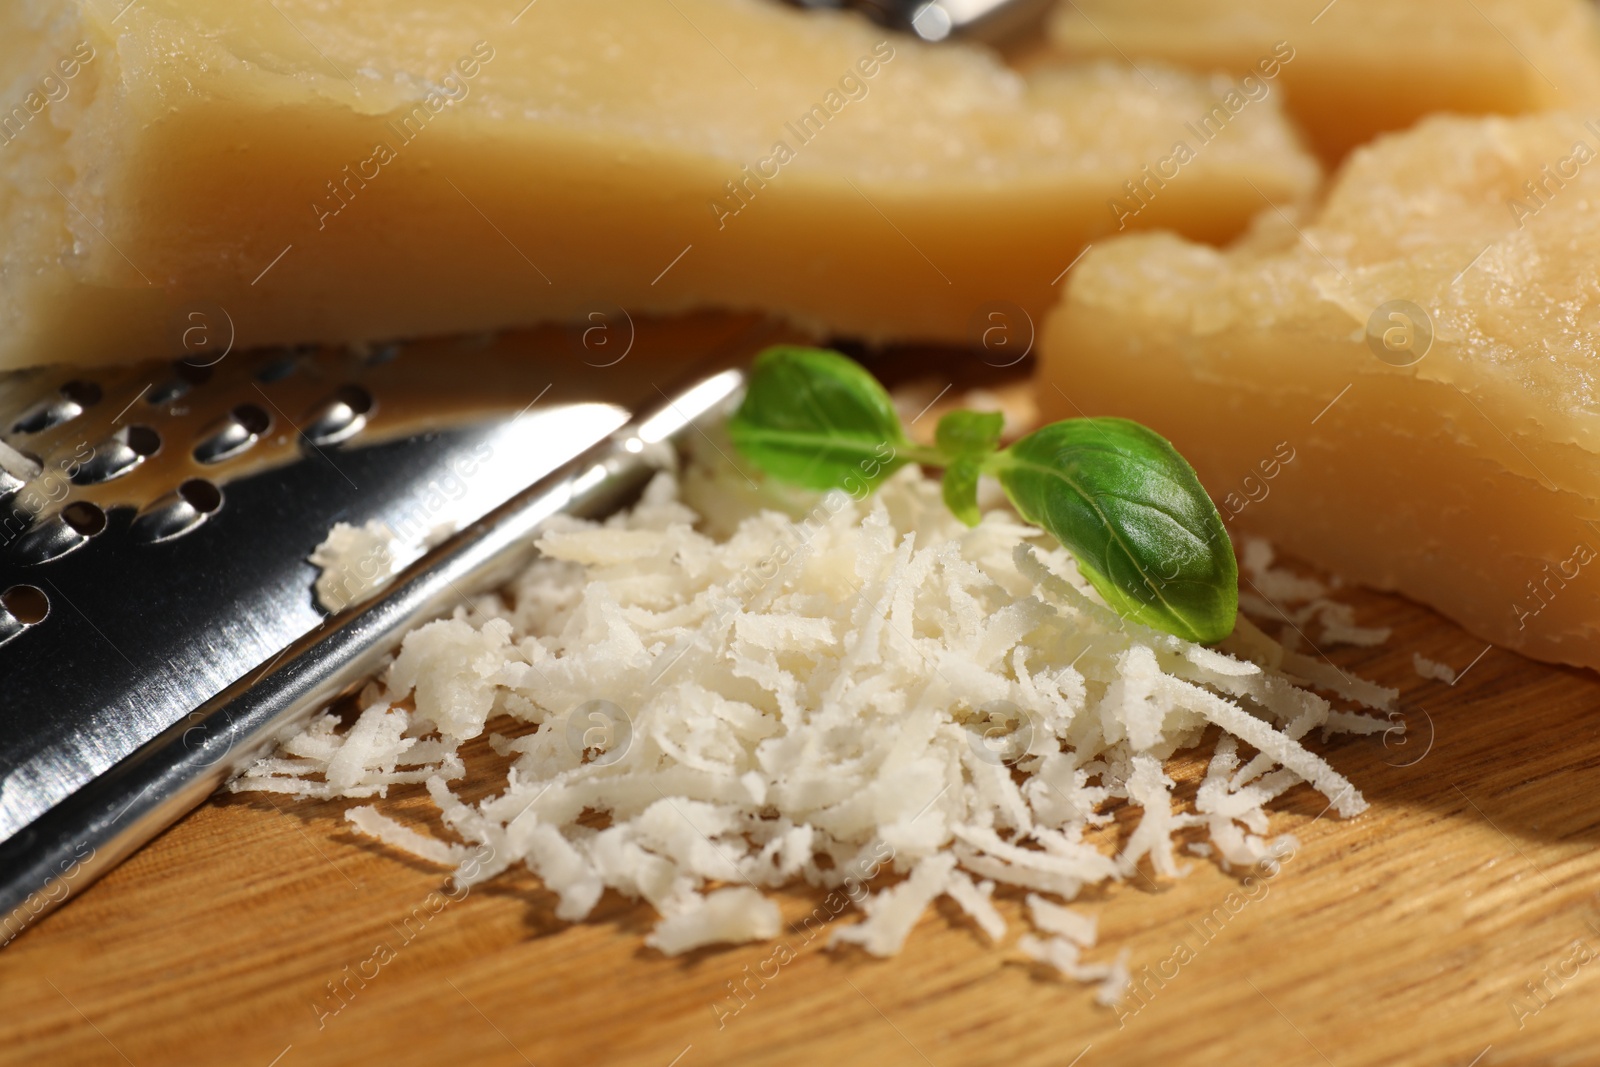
{"x": 283, "y": 362}
{"x": 276, "y": 371}
{"x": 252, "y": 418}
{"x": 26, "y": 603}
{"x": 83, "y": 393}
{"x": 84, "y": 517}
{"x": 357, "y": 399}
{"x": 340, "y": 417}
{"x": 201, "y": 495}
{"x": 167, "y": 393}
{"x": 70, "y": 402}
{"x": 143, "y": 440}
{"x": 41, "y": 418}
{"x": 241, "y": 428}
{"x": 186, "y": 377}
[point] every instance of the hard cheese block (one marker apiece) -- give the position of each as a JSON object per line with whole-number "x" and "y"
{"x": 303, "y": 171}
{"x": 1355, "y": 68}
{"x": 1402, "y": 387}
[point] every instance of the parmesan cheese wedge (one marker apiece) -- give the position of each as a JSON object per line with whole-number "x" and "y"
{"x": 1356, "y": 68}
{"x": 1400, "y": 387}
{"x": 298, "y": 171}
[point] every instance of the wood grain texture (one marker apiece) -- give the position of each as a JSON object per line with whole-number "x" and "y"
{"x": 1405, "y": 936}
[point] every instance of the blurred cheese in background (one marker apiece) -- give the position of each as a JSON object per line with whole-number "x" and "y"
{"x": 1356, "y": 68}
{"x": 1403, "y": 389}
{"x": 382, "y": 168}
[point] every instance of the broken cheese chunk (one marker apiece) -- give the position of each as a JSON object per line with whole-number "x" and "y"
{"x": 1352, "y": 69}
{"x": 380, "y": 168}
{"x": 1402, "y": 387}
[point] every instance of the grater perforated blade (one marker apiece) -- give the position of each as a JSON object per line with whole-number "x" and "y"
{"x": 158, "y": 625}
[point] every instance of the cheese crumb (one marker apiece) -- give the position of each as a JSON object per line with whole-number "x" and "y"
{"x": 1276, "y": 595}
{"x": 356, "y": 562}
{"x": 1428, "y": 668}
{"x": 976, "y": 899}
{"x": 1057, "y": 952}
{"x": 723, "y": 916}
{"x": 1064, "y": 922}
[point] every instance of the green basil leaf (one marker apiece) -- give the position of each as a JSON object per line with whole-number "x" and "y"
{"x": 966, "y": 433}
{"x": 1133, "y": 513}
{"x": 819, "y": 420}
{"x": 961, "y": 488}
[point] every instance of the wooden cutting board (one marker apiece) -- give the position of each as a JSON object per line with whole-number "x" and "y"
{"x": 1407, "y": 936}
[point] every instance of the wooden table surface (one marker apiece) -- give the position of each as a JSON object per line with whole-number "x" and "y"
{"x": 1409, "y": 935}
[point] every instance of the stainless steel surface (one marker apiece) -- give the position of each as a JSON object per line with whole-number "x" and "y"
{"x": 937, "y": 20}
{"x": 176, "y": 513}
{"x": 12, "y": 620}
{"x": 17, "y": 469}
{"x": 63, "y": 532}
{"x": 184, "y": 632}
{"x": 340, "y": 417}
{"x": 233, "y": 433}
{"x": 67, "y": 404}
{"x": 119, "y": 454}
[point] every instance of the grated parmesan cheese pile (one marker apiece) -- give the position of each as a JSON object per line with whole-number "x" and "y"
{"x": 871, "y": 687}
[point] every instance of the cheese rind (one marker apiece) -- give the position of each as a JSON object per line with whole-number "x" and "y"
{"x": 1357, "y": 68}
{"x": 1467, "y": 479}
{"x": 389, "y": 168}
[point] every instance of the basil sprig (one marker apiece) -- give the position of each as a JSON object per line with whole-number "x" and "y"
{"x": 1120, "y": 498}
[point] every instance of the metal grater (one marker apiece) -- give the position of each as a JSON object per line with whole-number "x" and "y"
{"x": 158, "y": 626}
